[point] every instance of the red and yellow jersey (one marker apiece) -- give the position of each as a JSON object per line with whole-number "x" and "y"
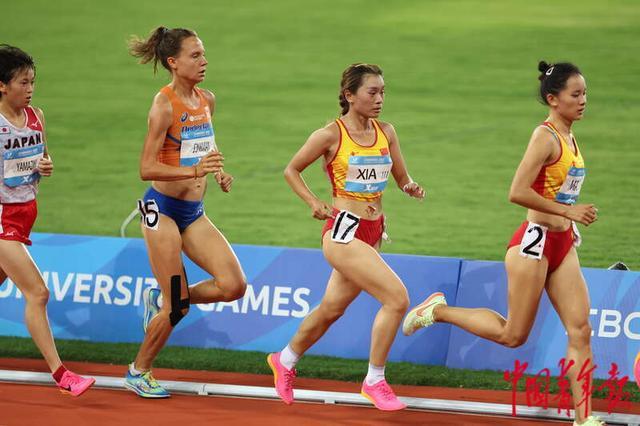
{"x": 191, "y": 135}
{"x": 561, "y": 180}
{"x": 360, "y": 172}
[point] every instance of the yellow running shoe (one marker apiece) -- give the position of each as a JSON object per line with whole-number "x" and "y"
{"x": 422, "y": 315}
{"x": 590, "y": 421}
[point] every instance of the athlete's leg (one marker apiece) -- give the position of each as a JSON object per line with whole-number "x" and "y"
{"x": 526, "y": 279}
{"x": 360, "y": 264}
{"x": 164, "y": 246}
{"x": 568, "y": 293}
{"x": 16, "y": 263}
{"x": 205, "y": 245}
{"x": 338, "y": 295}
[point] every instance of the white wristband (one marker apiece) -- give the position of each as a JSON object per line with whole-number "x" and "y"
{"x": 404, "y": 188}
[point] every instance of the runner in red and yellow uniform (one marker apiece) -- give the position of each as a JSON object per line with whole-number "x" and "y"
{"x": 542, "y": 253}
{"x": 360, "y": 154}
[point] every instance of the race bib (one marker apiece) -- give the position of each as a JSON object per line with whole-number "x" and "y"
{"x": 368, "y": 173}
{"x": 196, "y": 142}
{"x": 344, "y": 227}
{"x": 20, "y": 164}
{"x": 570, "y": 189}
{"x": 577, "y": 238}
{"x": 149, "y": 214}
{"x": 532, "y": 244}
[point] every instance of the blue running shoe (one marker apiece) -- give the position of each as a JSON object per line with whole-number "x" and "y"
{"x": 151, "y": 308}
{"x": 145, "y": 385}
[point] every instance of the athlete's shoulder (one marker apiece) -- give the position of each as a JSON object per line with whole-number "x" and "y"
{"x": 208, "y": 94}
{"x": 38, "y": 112}
{"x": 388, "y": 130}
{"x": 330, "y": 131}
{"x": 543, "y": 134}
{"x": 326, "y": 135}
{"x": 162, "y": 102}
{"x": 161, "y": 111}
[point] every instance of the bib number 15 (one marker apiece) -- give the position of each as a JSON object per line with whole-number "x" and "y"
{"x": 150, "y": 214}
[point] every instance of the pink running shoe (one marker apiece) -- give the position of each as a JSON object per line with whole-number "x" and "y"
{"x": 382, "y": 396}
{"x": 73, "y": 384}
{"x": 282, "y": 378}
{"x": 636, "y": 369}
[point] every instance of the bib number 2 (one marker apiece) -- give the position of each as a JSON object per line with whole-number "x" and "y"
{"x": 532, "y": 245}
{"x": 150, "y": 214}
{"x": 344, "y": 227}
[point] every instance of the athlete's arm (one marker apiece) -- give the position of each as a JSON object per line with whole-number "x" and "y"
{"x": 317, "y": 145}
{"x": 223, "y": 178}
{"x": 45, "y": 165}
{"x": 540, "y": 152}
{"x": 399, "y": 168}
{"x": 160, "y": 118}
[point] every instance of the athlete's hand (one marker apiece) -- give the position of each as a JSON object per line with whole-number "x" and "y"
{"x": 412, "y": 189}
{"x": 585, "y": 214}
{"x": 210, "y": 163}
{"x": 45, "y": 166}
{"x": 225, "y": 180}
{"x": 321, "y": 210}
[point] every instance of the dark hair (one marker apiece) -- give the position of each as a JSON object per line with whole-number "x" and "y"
{"x": 352, "y": 79}
{"x": 553, "y": 78}
{"x": 12, "y": 61}
{"x": 161, "y": 44}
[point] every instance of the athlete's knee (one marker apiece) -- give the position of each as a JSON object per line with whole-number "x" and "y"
{"x": 179, "y": 306}
{"x": 398, "y": 302}
{"x": 330, "y": 313}
{"x": 514, "y": 339}
{"x": 579, "y": 335}
{"x": 234, "y": 289}
{"x": 38, "y": 295}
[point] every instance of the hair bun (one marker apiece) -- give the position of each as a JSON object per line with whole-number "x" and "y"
{"x": 543, "y": 66}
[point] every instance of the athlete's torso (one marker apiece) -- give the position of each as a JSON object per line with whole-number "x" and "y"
{"x": 189, "y": 138}
{"x": 20, "y": 150}
{"x": 358, "y": 173}
{"x": 559, "y": 181}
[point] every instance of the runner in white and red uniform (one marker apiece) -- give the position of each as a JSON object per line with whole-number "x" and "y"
{"x": 24, "y": 160}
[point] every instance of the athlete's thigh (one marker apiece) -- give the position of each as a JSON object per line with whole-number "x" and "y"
{"x": 17, "y": 264}
{"x": 568, "y": 292}
{"x": 340, "y": 292}
{"x": 164, "y": 247}
{"x": 205, "y": 245}
{"x": 526, "y": 279}
{"x": 361, "y": 265}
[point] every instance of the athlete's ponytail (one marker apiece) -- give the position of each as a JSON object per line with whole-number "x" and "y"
{"x": 352, "y": 79}
{"x": 553, "y": 78}
{"x": 161, "y": 44}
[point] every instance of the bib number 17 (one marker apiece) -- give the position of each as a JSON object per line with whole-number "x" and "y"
{"x": 345, "y": 227}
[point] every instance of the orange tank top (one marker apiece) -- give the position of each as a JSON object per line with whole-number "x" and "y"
{"x": 191, "y": 135}
{"x": 359, "y": 172}
{"x": 561, "y": 180}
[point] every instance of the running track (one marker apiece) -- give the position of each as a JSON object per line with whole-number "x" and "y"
{"x": 44, "y": 405}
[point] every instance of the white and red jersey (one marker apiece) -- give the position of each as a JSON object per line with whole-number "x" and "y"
{"x": 20, "y": 150}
